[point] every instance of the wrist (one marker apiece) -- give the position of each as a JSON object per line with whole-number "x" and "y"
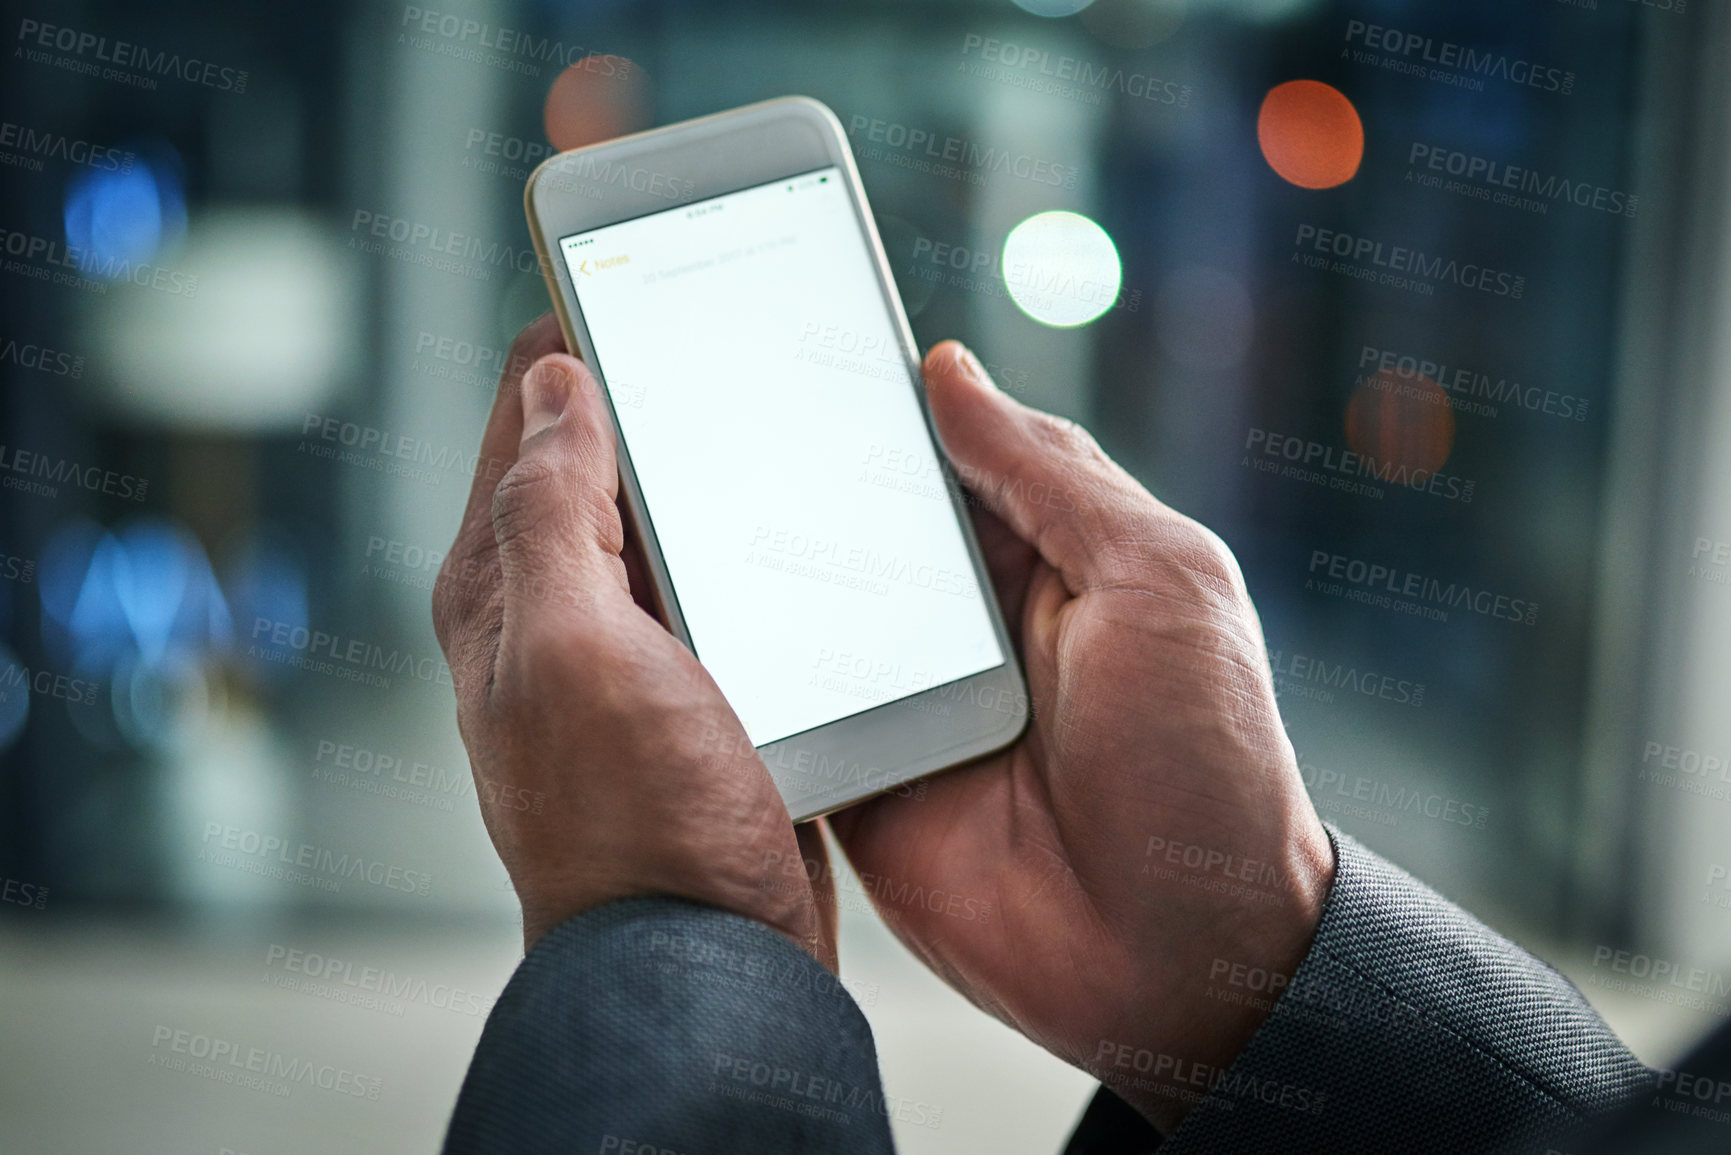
{"x": 1233, "y": 978}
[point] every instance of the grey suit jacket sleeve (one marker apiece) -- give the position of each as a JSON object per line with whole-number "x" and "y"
{"x": 1409, "y": 1027}
{"x": 662, "y": 1026}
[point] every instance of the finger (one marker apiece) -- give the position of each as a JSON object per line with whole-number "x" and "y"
{"x": 815, "y": 855}
{"x": 465, "y": 598}
{"x": 554, "y": 514}
{"x": 637, "y": 568}
{"x": 1044, "y": 476}
{"x": 1010, "y": 561}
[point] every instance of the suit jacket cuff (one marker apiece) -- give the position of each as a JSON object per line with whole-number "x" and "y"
{"x": 671, "y": 1026}
{"x": 1409, "y": 1027}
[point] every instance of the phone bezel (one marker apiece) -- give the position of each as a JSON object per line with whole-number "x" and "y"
{"x": 889, "y": 745}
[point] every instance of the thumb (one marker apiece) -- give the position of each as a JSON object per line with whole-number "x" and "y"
{"x": 554, "y": 515}
{"x": 1043, "y": 475}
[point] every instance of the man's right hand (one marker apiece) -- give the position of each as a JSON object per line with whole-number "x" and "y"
{"x": 1151, "y": 826}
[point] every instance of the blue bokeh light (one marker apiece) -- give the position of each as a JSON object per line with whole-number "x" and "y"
{"x": 125, "y": 216}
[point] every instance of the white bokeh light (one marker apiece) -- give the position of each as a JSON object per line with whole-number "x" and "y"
{"x": 1062, "y": 269}
{"x": 1053, "y": 9}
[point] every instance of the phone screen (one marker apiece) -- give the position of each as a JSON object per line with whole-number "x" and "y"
{"x": 781, "y": 452}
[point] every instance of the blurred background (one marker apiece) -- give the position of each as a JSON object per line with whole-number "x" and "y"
{"x": 1435, "y": 338}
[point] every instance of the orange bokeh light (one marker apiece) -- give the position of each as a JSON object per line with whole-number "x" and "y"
{"x": 1405, "y": 424}
{"x": 1310, "y": 134}
{"x": 596, "y": 99}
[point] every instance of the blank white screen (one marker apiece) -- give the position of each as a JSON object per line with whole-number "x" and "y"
{"x": 782, "y": 455}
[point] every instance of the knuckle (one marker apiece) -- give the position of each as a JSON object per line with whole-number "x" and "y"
{"x": 454, "y": 594}
{"x": 523, "y": 491}
{"x": 600, "y": 515}
{"x": 1206, "y": 554}
{"x": 446, "y": 612}
{"x": 1067, "y": 437}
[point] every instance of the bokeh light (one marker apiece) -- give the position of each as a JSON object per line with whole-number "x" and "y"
{"x": 1062, "y": 269}
{"x": 145, "y": 592}
{"x": 1310, "y": 134}
{"x": 1404, "y": 422}
{"x": 1053, "y": 9}
{"x": 125, "y": 216}
{"x": 597, "y": 98}
{"x": 1135, "y": 24}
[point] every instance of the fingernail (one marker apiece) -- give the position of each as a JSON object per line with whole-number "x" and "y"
{"x": 546, "y": 388}
{"x": 972, "y": 367}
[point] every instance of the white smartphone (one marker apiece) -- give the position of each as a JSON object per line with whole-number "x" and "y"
{"x": 803, "y": 530}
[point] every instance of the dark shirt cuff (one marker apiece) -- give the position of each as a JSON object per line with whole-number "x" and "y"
{"x": 675, "y": 1026}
